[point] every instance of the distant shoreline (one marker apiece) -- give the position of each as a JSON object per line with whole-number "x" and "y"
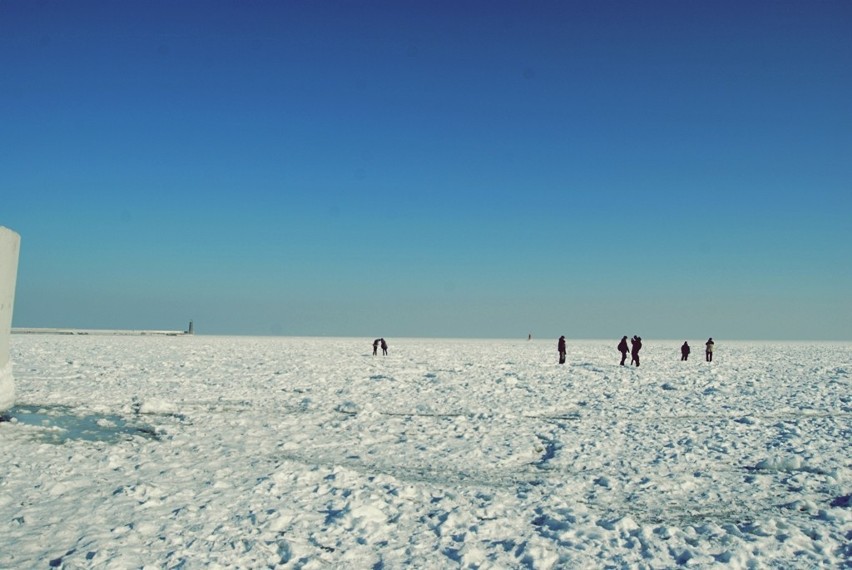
{"x": 406, "y": 339}
{"x": 101, "y": 332}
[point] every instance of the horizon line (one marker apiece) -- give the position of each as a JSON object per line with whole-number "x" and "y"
{"x": 168, "y": 332}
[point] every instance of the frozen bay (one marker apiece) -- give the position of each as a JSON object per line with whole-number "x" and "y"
{"x": 312, "y": 453}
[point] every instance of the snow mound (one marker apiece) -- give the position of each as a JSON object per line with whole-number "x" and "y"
{"x": 156, "y": 406}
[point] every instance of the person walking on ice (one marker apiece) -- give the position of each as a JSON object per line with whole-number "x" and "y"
{"x": 384, "y": 347}
{"x": 376, "y": 346}
{"x": 708, "y": 353}
{"x": 684, "y": 351}
{"x": 560, "y": 346}
{"x": 622, "y": 348}
{"x": 636, "y": 346}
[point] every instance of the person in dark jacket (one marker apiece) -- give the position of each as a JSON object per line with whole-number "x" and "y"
{"x": 684, "y": 351}
{"x": 376, "y": 346}
{"x": 636, "y": 346}
{"x": 560, "y": 346}
{"x": 622, "y": 348}
{"x": 384, "y": 347}
{"x": 708, "y": 353}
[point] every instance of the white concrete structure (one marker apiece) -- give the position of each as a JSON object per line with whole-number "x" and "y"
{"x": 10, "y": 244}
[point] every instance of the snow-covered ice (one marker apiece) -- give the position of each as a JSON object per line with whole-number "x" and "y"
{"x": 244, "y": 452}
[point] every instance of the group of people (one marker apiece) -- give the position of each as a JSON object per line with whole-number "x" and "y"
{"x": 636, "y": 346}
{"x": 384, "y": 345}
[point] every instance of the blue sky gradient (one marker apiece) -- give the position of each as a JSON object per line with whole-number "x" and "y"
{"x": 475, "y": 169}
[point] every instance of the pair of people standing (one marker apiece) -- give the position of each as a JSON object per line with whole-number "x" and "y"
{"x": 708, "y": 352}
{"x": 635, "y": 347}
{"x": 376, "y": 343}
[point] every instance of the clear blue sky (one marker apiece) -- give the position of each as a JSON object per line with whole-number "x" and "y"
{"x": 486, "y": 169}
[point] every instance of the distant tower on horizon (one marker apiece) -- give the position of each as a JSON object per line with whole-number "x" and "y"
{"x": 190, "y": 330}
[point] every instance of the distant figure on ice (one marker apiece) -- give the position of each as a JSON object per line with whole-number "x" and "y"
{"x": 708, "y": 354}
{"x": 376, "y": 346}
{"x": 622, "y": 348}
{"x": 384, "y": 347}
{"x": 561, "y": 348}
{"x": 636, "y": 346}
{"x": 684, "y": 351}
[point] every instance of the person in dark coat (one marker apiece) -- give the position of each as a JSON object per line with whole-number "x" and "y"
{"x": 708, "y": 353}
{"x": 384, "y": 347}
{"x": 622, "y": 348}
{"x": 560, "y": 346}
{"x": 636, "y": 346}
{"x": 376, "y": 346}
{"x": 684, "y": 351}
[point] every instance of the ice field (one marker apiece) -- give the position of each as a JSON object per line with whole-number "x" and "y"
{"x": 242, "y": 452}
